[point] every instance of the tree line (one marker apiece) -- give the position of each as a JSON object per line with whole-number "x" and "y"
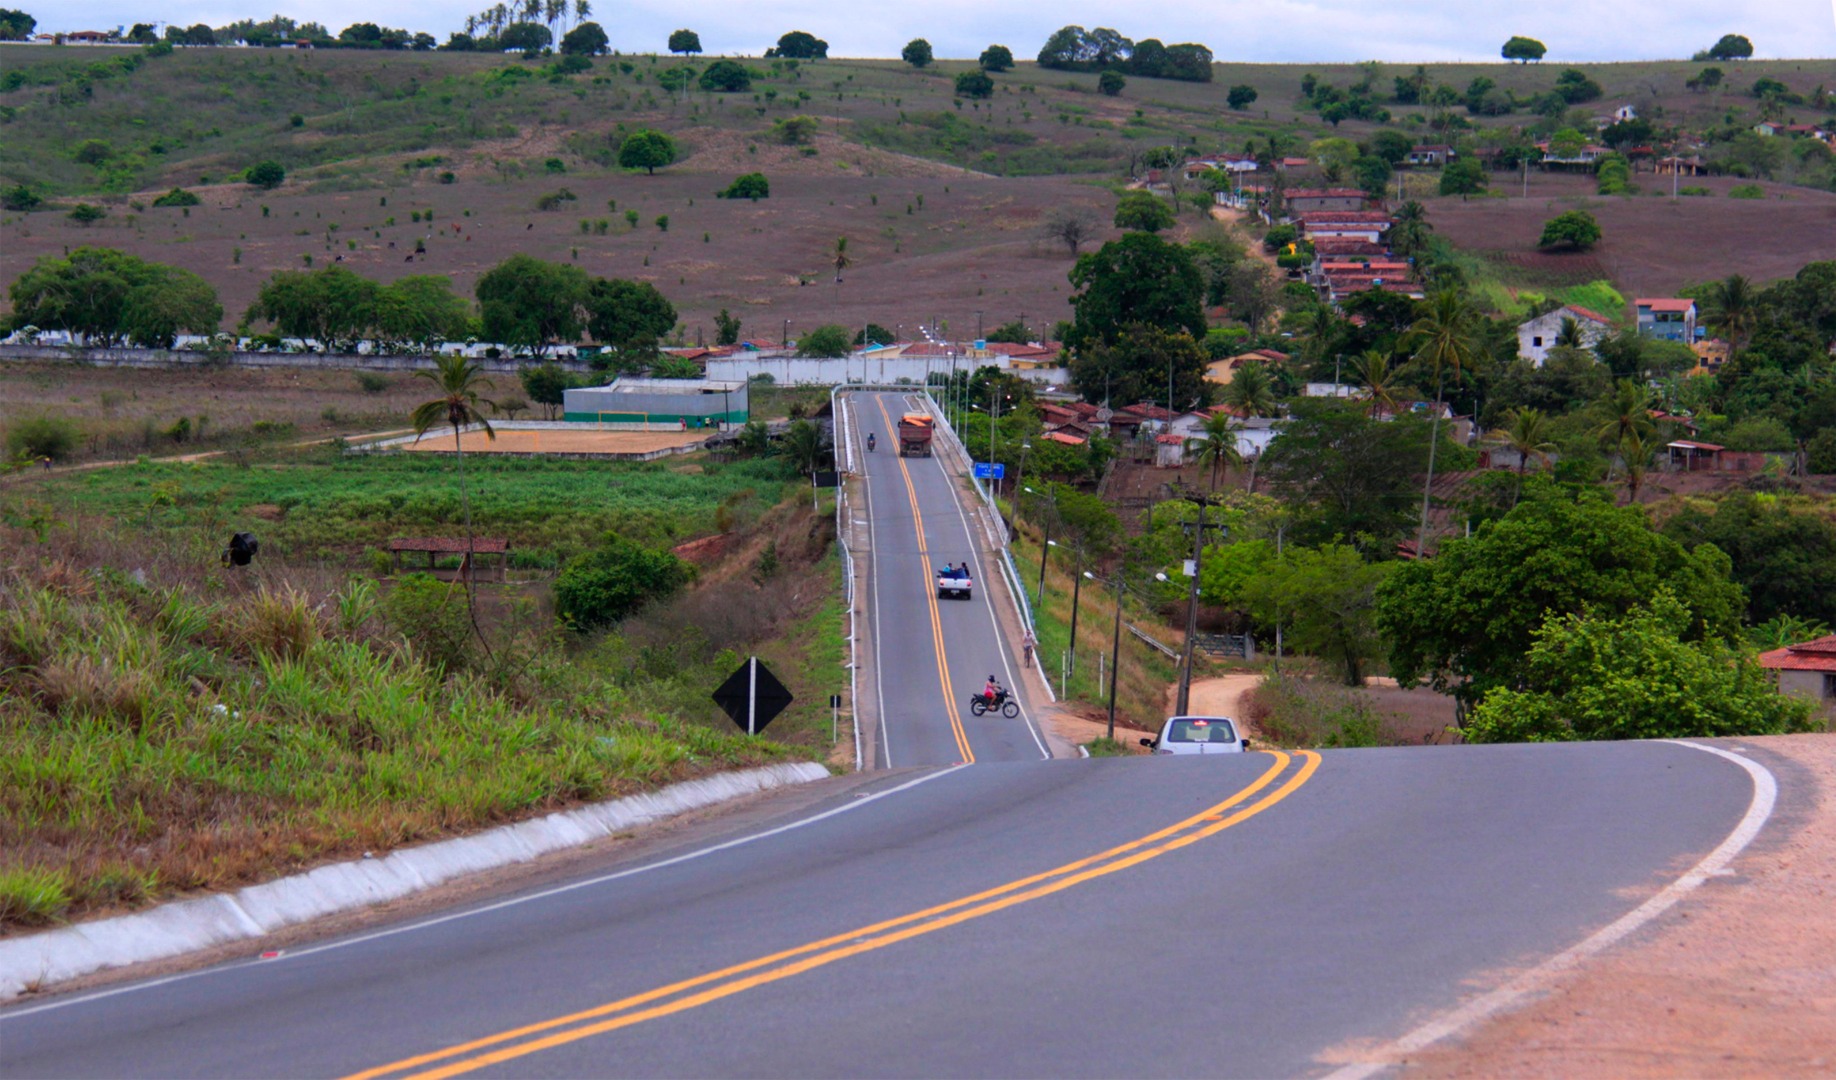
{"x": 1073, "y": 48}
{"x": 527, "y": 304}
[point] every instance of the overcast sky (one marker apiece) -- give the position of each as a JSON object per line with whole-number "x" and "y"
{"x": 1252, "y": 30}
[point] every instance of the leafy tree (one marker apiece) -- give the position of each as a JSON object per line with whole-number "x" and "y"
{"x": 1466, "y": 619}
{"x": 630, "y": 316}
{"x": 1706, "y": 79}
{"x": 873, "y": 334}
{"x": 547, "y": 385}
{"x": 1463, "y": 176}
{"x": 1526, "y": 434}
{"x": 1573, "y": 229}
{"x": 16, "y": 25}
{"x": 1567, "y": 143}
{"x": 1373, "y": 174}
{"x": 86, "y": 213}
{"x": 1137, "y": 279}
{"x": 996, "y": 58}
{"x": 1523, "y": 49}
{"x": 795, "y": 130}
{"x": 1012, "y": 333}
{"x": 826, "y": 341}
{"x": 1392, "y": 146}
{"x": 1136, "y": 365}
{"x": 974, "y": 84}
{"x": 1251, "y": 292}
{"x": 726, "y": 77}
{"x": 1325, "y": 598}
{"x": 525, "y": 302}
{"x": 726, "y": 328}
{"x": 1574, "y": 87}
{"x": 1064, "y": 49}
{"x": 1446, "y": 337}
{"x": 525, "y": 37}
{"x": 752, "y": 186}
{"x": 1241, "y": 96}
{"x": 1351, "y": 475}
{"x": 685, "y": 42}
{"x": 419, "y": 309}
{"x": 108, "y": 296}
{"x": 1409, "y": 236}
{"x": 1635, "y": 675}
{"x": 646, "y": 149}
{"x": 587, "y": 39}
{"x": 799, "y": 45}
{"x": 1145, "y": 211}
{"x": 917, "y": 52}
{"x": 177, "y": 197}
{"x": 1333, "y": 156}
{"x": 458, "y": 382}
{"x": 1733, "y": 312}
{"x": 1731, "y": 47}
{"x": 614, "y": 581}
{"x": 1111, "y": 82}
{"x": 1783, "y": 557}
{"x": 332, "y": 306}
{"x": 266, "y": 175}
{"x": 841, "y": 259}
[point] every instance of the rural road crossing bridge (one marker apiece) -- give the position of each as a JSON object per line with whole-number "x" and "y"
{"x": 1266, "y": 914}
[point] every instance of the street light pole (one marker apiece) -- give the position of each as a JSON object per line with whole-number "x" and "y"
{"x": 1192, "y": 598}
{"x": 1077, "y": 588}
{"x": 1115, "y": 660}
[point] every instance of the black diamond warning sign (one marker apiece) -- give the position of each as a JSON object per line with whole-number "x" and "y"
{"x": 752, "y": 696}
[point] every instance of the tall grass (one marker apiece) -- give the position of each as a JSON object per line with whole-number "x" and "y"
{"x": 170, "y": 729}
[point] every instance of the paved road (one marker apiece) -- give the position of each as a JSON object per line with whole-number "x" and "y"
{"x": 1337, "y": 899}
{"x": 1247, "y": 915}
{"x": 924, "y": 644}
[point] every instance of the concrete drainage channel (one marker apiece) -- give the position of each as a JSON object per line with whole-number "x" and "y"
{"x": 54, "y": 956}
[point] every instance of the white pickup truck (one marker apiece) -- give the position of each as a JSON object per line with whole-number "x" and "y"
{"x": 954, "y": 581}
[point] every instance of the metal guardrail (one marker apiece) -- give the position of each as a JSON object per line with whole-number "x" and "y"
{"x": 1170, "y": 653}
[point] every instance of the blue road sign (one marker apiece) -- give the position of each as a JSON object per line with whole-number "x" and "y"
{"x": 990, "y": 470}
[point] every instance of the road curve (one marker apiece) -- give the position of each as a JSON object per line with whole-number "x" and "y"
{"x": 930, "y": 654}
{"x": 1243, "y": 916}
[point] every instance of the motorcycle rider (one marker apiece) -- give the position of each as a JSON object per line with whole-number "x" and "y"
{"x": 991, "y": 691}
{"x": 870, "y": 442}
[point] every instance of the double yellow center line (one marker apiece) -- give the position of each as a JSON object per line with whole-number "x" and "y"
{"x": 930, "y": 596}
{"x": 691, "y": 993}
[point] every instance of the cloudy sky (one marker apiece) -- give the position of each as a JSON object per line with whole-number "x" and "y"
{"x": 1254, "y": 30}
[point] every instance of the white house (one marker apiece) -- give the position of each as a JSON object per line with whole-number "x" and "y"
{"x": 1537, "y": 336}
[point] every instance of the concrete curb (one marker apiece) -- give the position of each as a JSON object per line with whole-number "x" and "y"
{"x": 173, "y": 929}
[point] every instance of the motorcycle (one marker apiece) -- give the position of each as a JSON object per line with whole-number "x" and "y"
{"x": 1003, "y": 703}
{"x": 870, "y": 443}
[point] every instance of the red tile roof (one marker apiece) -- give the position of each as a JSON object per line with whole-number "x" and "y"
{"x": 1347, "y": 245}
{"x": 1062, "y": 437}
{"x": 1586, "y": 314}
{"x": 1817, "y": 655}
{"x": 1326, "y": 193}
{"x": 1666, "y": 304}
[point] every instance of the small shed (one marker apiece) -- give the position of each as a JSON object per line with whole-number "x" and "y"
{"x": 1169, "y": 451}
{"x": 483, "y": 550}
{"x": 1687, "y": 455}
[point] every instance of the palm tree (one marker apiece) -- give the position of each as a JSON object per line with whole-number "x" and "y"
{"x": 1217, "y": 446}
{"x": 1732, "y": 311}
{"x": 1635, "y": 451}
{"x": 1628, "y": 413}
{"x": 1409, "y": 236}
{"x": 841, "y": 260}
{"x": 803, "y": 445}
{"x": 1251, "y": 390}
{"x": 1525, "y": 432}
{"x": 583, "y": 10}
{"x": 1374, "y": 370}
{"x": 458, "y": 404}
{"x": 1569, "y": 333}
{"x": 1447, "y": 338}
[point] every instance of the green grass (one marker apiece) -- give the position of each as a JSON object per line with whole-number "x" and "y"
{"x": 329, "y": 501}
{"x": 1596, "y": 296}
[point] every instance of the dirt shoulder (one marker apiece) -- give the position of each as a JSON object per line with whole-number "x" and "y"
{"x": 1738, "y": 980}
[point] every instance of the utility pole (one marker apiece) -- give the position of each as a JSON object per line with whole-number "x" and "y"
{"x": 1077, "y": 588}
{"x": 1115, "y": 660}
{"x": 1192, "y": 598}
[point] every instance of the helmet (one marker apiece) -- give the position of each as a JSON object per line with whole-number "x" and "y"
{"x": 991, "y": 678}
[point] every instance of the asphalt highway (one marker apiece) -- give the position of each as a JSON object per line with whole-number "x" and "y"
{"x": 1242, "y": 915}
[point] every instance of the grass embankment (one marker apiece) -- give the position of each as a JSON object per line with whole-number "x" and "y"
{"x": 166, "y": 724}
{"x": 1146, "y": 672}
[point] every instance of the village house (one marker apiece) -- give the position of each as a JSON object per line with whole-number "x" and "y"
{"x": 1367, "y": 225}
{"x": 1807, "y": 670}
{"x": 1221, "y": 371}
{"x": 1588, "y": 155}
{"x": 1667, "y": 318}
{"x": 1682, "y": 166}
{"x": 1307, "y": 200}
{"x": 1431, "y": 155}
{"x": 1535, "y": 337}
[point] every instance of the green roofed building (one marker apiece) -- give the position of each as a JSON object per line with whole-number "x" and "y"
{"x": 652, "y": 404}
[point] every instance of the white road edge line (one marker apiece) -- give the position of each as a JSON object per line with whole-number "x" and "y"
{"x": 994, "y": 623}
{"x": 293, "y": 954}
{"x": 873, "y": 554}
{"x": 1513, "y": 993}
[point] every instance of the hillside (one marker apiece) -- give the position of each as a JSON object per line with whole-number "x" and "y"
{"x": 940, "y": 198}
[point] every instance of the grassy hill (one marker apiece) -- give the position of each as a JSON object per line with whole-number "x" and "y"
{"x": 940, "y": 197}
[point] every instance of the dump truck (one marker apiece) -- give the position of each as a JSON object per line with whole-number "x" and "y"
{"x": 915, "y": 435}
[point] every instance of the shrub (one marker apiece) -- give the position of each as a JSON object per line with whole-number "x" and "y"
{"x": 1306, "y": 713}
{"x": 974, "y": 84}
{"x": 38, "y": 437}
{"x": 726, "y": 77}
{"x": 1746, "y": 191}
{"x": 752, "y": 186}
{"x": 430, "y": 614}
{"x": 266, "y": 175}
{"x": 280, "y": 623}
{"x": 1575, "y": 229}
{"x": 371, "y": 383}
{"x": 20, "y": 198}
{"x": 86, "y": 213}
{"x": 1111, "y": 83}
{"x": 93, "y": 152}
{"x": 177, "y": 197}
{"x": 1693, "y": 190}
{"x": 33, "y": 895}
{"x": 794, "y": 130}
{"x": 611, "y": 582}
{"x": 554, "y": 199}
